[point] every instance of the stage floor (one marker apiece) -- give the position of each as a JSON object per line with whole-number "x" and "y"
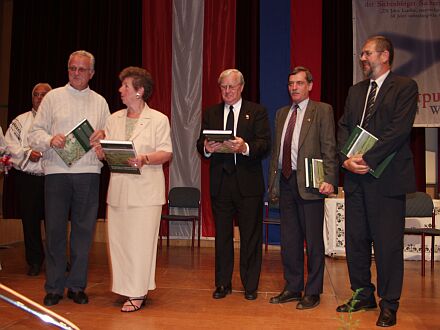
{"x": 183, "y": 297}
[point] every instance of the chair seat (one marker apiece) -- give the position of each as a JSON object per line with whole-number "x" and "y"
{"x": 271, "y": 221}
{"x": 420, "y": 231}
{"x": 179, "y": 217}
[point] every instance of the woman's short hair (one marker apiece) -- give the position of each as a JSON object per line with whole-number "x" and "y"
{"x": 141, "y": 78}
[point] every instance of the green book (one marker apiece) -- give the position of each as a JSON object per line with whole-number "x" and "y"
{"x": 117, "y": 153}
{"x": 77, "y": 143}
{"x": 359, "y": 142}
{"x": 314, "y": 172}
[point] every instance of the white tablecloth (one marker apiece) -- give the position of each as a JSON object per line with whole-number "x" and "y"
{"x": 334, "y": 232}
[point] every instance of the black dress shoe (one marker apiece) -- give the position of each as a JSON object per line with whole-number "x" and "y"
{"x": 34, "y": 270}
{"x": 307, "y": 302}
{"x": 387, "y": 318}
{"x": 52, "y": 299}
{"x": 221, "y": 291}
{"x": 354, "y": 306}
{"x": 78, "y": 297}
{"x": 250, "y": 295}
{"x": 285, "y": 296}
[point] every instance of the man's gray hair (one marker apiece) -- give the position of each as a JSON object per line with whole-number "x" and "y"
{"x": 86, "y": 54}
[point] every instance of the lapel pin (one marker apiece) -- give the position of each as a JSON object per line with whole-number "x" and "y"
{"x": 247, "y": 117}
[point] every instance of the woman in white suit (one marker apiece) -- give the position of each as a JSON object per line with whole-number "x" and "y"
{"x": 134, "y": 203}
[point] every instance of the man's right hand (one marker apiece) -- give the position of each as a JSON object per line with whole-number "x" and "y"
{"x": 58, "y": 141}
{"x": 356, "y": 164}
{"x": 35, "y": 156}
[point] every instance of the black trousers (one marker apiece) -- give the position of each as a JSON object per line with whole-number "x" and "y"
{"x": 301, "y": 220}
{"x": 248, "y": 211}
{"x": 374, "y": 220}
{"x": 31, "y": 208}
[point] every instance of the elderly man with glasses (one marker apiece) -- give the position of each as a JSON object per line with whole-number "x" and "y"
{"x": 71, "y": 192}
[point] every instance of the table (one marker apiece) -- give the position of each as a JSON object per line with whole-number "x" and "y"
{"x": 334, "y": 232}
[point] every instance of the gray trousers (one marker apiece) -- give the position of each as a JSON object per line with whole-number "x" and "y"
{"x": 74, "y": 197}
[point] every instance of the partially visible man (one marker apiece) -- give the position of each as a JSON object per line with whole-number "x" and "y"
{"x": 306, "y": 129}
{"x": 70, "y": 192}
{"x": 30, "y": 180}
{"x": 385, "y": 104}
{"x": 236, "y": 182}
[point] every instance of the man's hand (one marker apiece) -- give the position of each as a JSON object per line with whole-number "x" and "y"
{"x": 35, "y": 156}
{"x": 212, "y": 146}
{"x": 96, "y": 136}
{"x": 356, "y": 164}
{"x": 326, "y": 188}
{"x": 58, "y": 141}
{"x": 237, "y": 145}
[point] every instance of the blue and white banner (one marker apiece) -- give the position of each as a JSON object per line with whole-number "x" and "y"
{"x": 413, "y": 28}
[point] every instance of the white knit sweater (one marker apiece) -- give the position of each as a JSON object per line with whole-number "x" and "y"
{"x": 61, "y": 110}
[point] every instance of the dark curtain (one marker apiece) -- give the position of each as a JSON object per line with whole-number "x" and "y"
{"x": 46, "y": 32}
{"x": 247, "y": 46}
{"x": 337, "y": 73}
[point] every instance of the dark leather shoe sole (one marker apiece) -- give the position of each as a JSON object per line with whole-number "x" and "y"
{"x": 285, "y": 297}
{"x": 78, "y": 297}
{"x": 359, "y": 306}
{"x": 387, "y": 318}
{"x": 52, "y": 299}
{"x": 308, "y": 302}
{"x": 221, "y": 292}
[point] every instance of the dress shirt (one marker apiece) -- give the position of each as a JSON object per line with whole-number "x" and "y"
{"x": 295, "y": 137}
{"x": 379, "y": 81}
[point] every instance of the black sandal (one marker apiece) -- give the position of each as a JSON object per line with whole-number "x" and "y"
{"x": 135, "y": 308}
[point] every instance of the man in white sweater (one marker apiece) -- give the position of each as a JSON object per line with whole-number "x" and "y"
{"x": 71, "y": 192}
{"x": 30, "y": 180}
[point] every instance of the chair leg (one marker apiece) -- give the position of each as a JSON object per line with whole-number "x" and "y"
{"x": 198, "y": 232}
{"x": 266, "y": 239}
{"x": 168, "y": 234}
{"x": 193, "y": 233}
{"x": 432, "y": 252}
{"x": 423, "y": 254}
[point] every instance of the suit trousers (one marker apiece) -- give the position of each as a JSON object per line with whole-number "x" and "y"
{"x": 372, "y": 219}
{"x": 31, "y": 208}
{"x": 248, "y": 211}
{"x": 74, "y": 195}
{"x": 301, "y": 220}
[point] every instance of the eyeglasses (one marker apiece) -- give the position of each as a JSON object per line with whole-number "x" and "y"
{"x": 368, "y": 53}
{"x": 231, "y": 87}
{"x": 75, "y": 69}
{"x": 39, "y": 94}
{"x": 299, "y": 83}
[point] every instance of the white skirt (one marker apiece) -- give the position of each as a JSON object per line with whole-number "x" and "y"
{"x": 133, "y": 234}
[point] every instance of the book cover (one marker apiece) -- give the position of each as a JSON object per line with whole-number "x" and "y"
{"x": 218, "y": 135}
{"x": 117, "y": 154}
{"x": 359, "y": 142}
{"x": 314, "y": 172}
{"x": 77, "y": 143}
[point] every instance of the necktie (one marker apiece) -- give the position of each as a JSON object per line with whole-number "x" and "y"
{"x": 229, "y": 164}
{"x": 286, "y": 166}
{"x": 370, "y": 103}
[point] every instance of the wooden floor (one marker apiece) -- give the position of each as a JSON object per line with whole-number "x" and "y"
{"x": 183, "y": 299}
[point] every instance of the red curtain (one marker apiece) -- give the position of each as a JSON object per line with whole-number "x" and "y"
{"x": 306, "y": 39}
{"x": 156, "y": 55}
{"x": 218, "y": 55}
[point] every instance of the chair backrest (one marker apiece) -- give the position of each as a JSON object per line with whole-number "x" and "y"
{"x": 186, "y": 197}
{"x": 419, "y": 205}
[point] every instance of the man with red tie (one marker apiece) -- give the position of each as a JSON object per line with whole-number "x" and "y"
{"x": 306, "y": 129}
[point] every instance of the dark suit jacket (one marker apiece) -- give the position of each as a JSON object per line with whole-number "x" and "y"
{"x": 316, "y": 140}
{"x": 394, "y": 112}
{"x": 253, "y": 127}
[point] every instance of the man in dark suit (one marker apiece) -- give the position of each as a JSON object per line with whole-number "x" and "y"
{"x": 236, "y": 182}
{"x": 306, "y": 129}
{"x": 385, "y": 105}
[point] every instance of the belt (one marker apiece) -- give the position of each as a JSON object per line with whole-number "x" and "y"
{"x": 34, "y": 174}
